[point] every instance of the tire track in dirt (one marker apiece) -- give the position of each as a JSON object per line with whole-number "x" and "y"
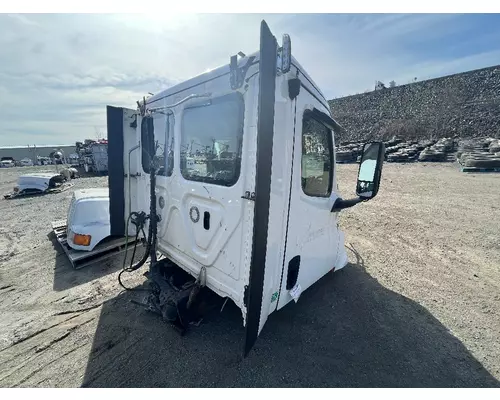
{"x": 43, "y": 345}
{"x": 36, "y": 371}
{"x": 8, "y": 246}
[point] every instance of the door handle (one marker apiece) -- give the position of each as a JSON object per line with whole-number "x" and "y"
{"x": 249, "y": 196}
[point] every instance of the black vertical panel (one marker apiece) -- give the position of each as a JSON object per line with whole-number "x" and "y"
{"x": 265, "y": 133}
{"x": 116, "y": 173}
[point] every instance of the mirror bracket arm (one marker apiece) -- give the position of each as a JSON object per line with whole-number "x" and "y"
{"x": 341, "y": 204}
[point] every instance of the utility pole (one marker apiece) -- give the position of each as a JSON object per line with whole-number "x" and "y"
{"x": 97, "y": 134}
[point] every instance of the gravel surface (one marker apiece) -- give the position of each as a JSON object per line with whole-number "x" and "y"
{"x": 418, "y": 305}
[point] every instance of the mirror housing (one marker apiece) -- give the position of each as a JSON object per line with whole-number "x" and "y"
{"x": 370, "y": 170}
{"x": 369, "y": 175}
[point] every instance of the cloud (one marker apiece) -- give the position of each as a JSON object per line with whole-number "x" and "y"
{"x": 58, "y": 71}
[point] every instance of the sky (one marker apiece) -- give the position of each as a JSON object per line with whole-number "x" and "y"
{"x": 59, "y": 71}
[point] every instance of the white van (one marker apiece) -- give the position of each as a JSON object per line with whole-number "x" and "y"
{"x": 256, "y": 220}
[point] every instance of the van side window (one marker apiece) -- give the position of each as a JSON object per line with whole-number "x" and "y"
{"x": 317, "y": 157}
{"x": 211, "y": 140}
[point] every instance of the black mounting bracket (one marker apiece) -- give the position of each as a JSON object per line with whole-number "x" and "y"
{"x": 341, "y": 204}
{"x": 237, "y": 75}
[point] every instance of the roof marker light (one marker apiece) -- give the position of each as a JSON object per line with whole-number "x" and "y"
{"x": 286, "y": 54}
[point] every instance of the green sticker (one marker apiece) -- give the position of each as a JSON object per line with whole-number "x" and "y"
{"x": 274, "y": 297}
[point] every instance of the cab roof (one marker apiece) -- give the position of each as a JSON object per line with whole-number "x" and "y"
{"x": 225, "y": 70}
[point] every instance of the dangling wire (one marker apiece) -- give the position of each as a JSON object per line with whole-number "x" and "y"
{"x": 139, "y": 228}
{"x": 140, "y": 218}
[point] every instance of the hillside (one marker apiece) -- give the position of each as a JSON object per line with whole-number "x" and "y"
{"x": 463, "y": 105}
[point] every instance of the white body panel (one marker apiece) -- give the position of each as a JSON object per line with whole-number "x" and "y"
{"x": 226, "y": 246}
{"x": 88, "y": 214}
{"x": 312, "y": 232}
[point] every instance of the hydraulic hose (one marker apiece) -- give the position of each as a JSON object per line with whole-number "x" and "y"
{"x": 139, "y": 228}
{"x": 153, "y": 218}
{"x": 140, "y": 219}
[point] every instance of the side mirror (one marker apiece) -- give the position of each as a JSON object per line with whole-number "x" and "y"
{"x": 370, "y": 170}
{"x": 369, "y": 174}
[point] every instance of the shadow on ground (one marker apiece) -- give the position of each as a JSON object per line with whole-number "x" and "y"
{"x": 346, "y": 330}
{"x": 67, "y": 277}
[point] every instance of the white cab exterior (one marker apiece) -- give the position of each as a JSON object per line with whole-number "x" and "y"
{"x": 88, "y": 214}
{"x": 208, "y": 224}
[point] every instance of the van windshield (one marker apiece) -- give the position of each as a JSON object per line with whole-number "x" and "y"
{"x": 211, "y": 141}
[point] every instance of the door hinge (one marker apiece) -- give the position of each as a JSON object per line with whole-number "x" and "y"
{"x": 249, "y": 196}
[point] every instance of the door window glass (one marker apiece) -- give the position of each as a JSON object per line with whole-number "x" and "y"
{"x": 164, "y": 135}
{"x": 317, "y": 157}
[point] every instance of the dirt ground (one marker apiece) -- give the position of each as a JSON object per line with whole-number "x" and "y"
{"x": 418, "y": 305}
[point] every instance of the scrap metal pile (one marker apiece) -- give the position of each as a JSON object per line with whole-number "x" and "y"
{"x": 479, "y": 153}
{"x": 399, "y": 150}
{"x": 93, "y": 155}
{"x": 42, "y": 183}
{"x": 475, "y": 154}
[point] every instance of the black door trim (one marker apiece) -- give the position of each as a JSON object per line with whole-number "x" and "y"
{"x": 265, "y": 134}
{"x": 116, "y": 170}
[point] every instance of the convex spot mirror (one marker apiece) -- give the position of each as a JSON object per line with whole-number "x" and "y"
{"x": 370, "y": 170}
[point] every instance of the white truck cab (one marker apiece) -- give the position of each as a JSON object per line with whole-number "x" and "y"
{"x": 238, "y": 164}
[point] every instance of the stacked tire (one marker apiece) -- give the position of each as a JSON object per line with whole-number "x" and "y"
{"x": 439, "y": 151}
{"x": 494, "y": 147}
{"x": 479, "y": 153}
{"x": 348, "y": 152}
{"x": 399, "y": 156}
{"x": 344, "y": 156}
{"x": 431, "y": 154}
{"x": 472, "y": 146}
{"x": 482, "y": 162}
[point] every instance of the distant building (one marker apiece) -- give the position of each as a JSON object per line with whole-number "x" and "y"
{"x": 31, "y": 152}
{"x": 379, "y": 85}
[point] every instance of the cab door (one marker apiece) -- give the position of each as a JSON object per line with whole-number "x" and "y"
{"x": 312, "y": 237}
{"x": 123, "y": 166}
